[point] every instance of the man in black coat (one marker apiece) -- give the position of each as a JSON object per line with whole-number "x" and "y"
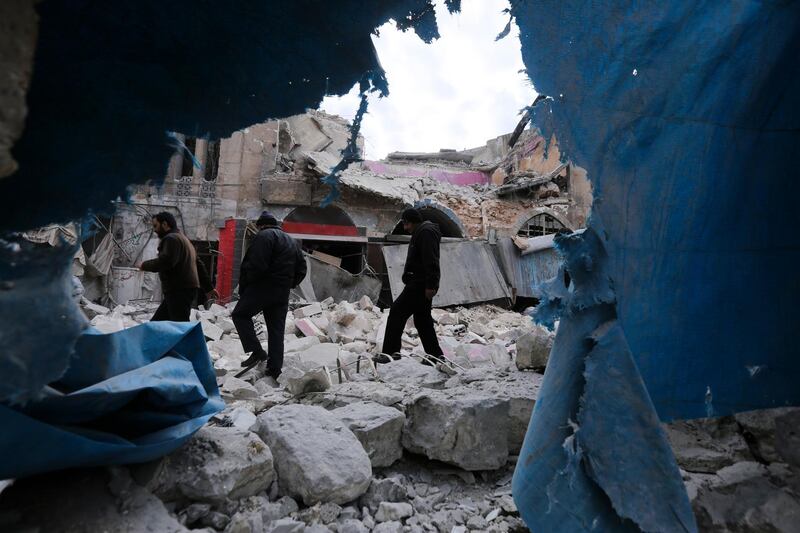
{"x": 176, "y": 265}
{"x": 421, "y": 278}
{"x": 272, "y": 266}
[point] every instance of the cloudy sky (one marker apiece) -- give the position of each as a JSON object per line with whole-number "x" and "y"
{"x": 457, "y": 92}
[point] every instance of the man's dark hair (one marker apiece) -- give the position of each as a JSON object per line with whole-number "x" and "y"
{"x": 164, "y": 216}
{"x": 412, "y": 215}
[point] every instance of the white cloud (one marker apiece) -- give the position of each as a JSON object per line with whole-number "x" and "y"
{"x": 457, "y": 92}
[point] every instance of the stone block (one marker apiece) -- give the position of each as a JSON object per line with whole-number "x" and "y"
{"x": 309, "y": 329}
{"x": 317, "y": 457}
{"x": 458, "y": 426}
{"x": 377, "y": 427}
{"x": 533, "y": 349}
{"x": 216, "y": 464}
{"x": 308, "y": 311}
{"x": 393, "y": 511}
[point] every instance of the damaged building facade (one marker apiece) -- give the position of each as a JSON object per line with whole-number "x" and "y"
{"x": 488, "y": 202}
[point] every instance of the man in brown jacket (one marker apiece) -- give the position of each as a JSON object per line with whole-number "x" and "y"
{"x": 176, "y": 265}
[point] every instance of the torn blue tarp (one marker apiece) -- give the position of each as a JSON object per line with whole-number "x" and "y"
{"x": 127, "y": 397}
{"x": 687, "y": 119}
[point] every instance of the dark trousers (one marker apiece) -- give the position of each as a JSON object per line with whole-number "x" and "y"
{"x": 274, "y": 305}
{"x": 412, "y": 301}
{"x": 175, "y": 306}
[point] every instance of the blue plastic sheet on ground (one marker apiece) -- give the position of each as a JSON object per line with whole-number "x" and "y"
{"x": 687, "y": 118}
{"x": 127, "y": 397}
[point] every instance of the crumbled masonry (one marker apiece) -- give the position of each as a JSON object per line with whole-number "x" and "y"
{"x": 401, "y": 447}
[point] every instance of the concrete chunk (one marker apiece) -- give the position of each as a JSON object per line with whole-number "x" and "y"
{"x": 211, "y": 330}
{"x": 309, "y": 310}
{"x": 377, "y": 427}
{"x": 458, "y": 426}
{"x": 217, "y": 463}
{"x": 317, "y": 457}
{"x": 533, "y": 349}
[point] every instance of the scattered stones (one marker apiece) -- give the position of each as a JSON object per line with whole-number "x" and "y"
{"x": 377, "y": 427}
{"x": 451, "y": 425}
{"x": 317, "y": 457}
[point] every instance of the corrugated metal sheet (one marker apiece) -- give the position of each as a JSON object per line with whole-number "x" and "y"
{"x": 526, "y": 273}
{"x": 470, "y": 273}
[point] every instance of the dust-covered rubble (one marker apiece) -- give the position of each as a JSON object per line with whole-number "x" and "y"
{"x": 403, "y": 446}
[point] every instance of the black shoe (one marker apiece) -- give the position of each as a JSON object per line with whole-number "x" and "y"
{"x": 273, "y": 373}
{"x": 381, "y": 358}
{"x": 254, "y": 359}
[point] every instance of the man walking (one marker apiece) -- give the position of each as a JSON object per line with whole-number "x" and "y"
{"x": 176, "y": 265}
{"x": 421, "y": 278}
{"x": 272, "y": 266}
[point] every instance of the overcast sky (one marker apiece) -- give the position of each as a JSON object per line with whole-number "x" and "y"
{"x": 457, "y": 92}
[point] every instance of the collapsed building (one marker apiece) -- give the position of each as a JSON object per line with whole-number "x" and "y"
{"x": 658, "y": 326}
{"x": 488, "y": 202}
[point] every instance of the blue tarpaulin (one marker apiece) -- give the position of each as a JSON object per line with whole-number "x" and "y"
{"x": 127, "y": 397}
{"x": 687, "y": 118}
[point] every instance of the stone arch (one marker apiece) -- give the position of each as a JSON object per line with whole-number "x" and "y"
{"x": 528, "y": 215}
{"x": 448, "y": 221}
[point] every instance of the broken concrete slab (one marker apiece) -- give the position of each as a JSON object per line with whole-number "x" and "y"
{"x": 452, "y": 424}
{"x": 518, "y": 389}
{"x": 309, "y": 310}
{"x": 409, "y": 371}
{"x": 478, "y": 354}
{"x": 377, "y": 427}
{"x": 318, "y": 355}
{"x": 218, "y": 463}
{"x": 317, "y": 457}
{"x": 300, "y": 344}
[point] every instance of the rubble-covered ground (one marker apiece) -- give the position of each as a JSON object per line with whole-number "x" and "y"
{"x": 340, "y": 445}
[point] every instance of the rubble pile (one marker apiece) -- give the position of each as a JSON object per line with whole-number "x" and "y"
{"x": 338, "y": 444}
{"x": 742, "y": 472}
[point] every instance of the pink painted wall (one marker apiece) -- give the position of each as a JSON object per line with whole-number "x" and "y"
{"x": 411, "y": 171}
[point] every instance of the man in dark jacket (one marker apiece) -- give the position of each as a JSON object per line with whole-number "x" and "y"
{"x": 272, "y": 266}
{"x": 176, "y": 265}
{"x": 421, "y": 279}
